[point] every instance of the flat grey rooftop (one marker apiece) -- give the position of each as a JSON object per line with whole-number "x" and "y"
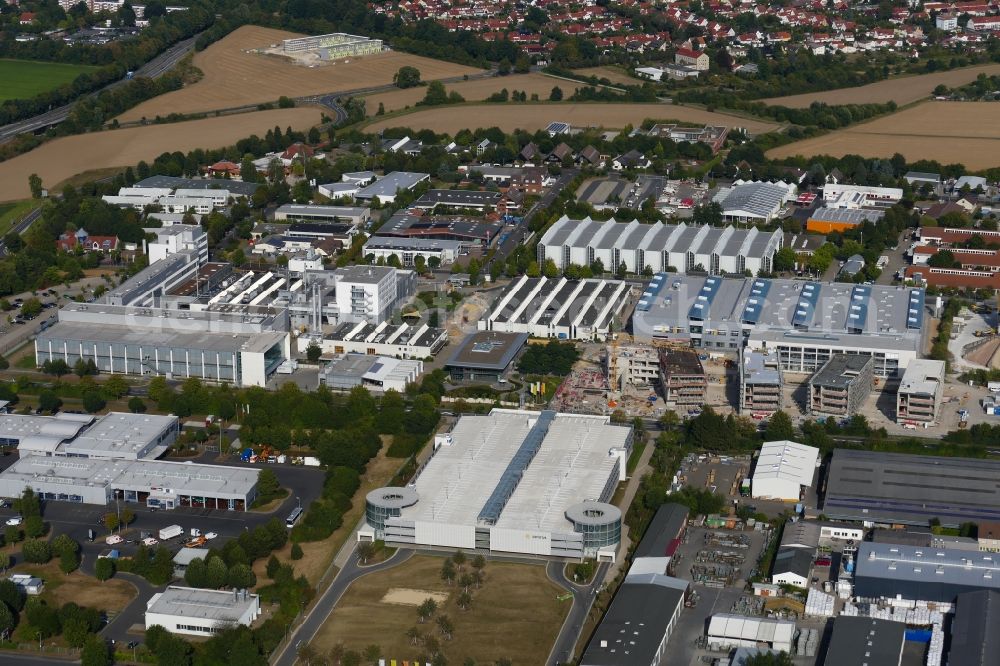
{"x": 841, "y": 370}
{"x": 219, "y": 605}
{"x": 939, "y": 565}
{"x": 761, "y": 369}
{"x": 488, "y": 350}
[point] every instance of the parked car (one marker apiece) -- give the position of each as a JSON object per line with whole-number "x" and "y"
{"x": 16, "y": 520}
{"x": 211, "y": 535}
{"x": 149, "y": 541}
{"x": 114, "y": 539}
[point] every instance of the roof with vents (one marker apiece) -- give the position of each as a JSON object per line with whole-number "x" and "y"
{"x": 786, "y": 460}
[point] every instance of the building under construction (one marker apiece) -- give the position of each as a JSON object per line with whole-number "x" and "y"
{"x": 682, "y": 377}
{"x": 840, "y": 387}
{"x": 760, "y": 383}
{"x": 635, "y": 365}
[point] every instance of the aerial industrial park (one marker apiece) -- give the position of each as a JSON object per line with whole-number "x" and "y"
{"x": 594, "y": 334}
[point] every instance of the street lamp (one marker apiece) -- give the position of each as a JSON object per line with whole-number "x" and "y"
{"x": 39, "y": 634}
{"x": 299, "y": 500}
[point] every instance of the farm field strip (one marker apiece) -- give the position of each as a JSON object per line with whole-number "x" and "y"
{"x": 903, "y": 90}
{"x": 23, "y": 79}
{"x": 475, "y": 90}
{"x": 531, "y": 117}
{"x": 65, "y": 157}
{"x": 235, "y": 76}
{"x": 613, "y": 74}
{"x": 950, "y": 132}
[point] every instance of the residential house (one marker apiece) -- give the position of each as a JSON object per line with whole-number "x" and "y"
{"x": 87, "y": 243}
{"x": 633, "y": 159}
{"x": 560, "y": 153}
{"x": 223, "y": 169}
{"x": 590, "y": 156}
{"x": 530, "y": 152}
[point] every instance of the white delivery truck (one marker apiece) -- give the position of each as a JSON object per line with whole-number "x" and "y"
{"x": 170, "y": 532}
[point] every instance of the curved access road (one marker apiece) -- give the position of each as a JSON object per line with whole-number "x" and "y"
{"x": 316, "y": 616}
{"x": 583, "y": 599}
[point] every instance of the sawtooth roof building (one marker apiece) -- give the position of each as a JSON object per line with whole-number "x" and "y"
{"x": 879, "y": 487}
{"x": 805, "y": 323}
{"x": 558, "y": 308}
{"x": 512, "y": 481}
{"x": 685, "y": 248}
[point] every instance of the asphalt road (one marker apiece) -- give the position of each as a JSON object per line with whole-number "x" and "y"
{"x": 520, "y": 232}
{"x": 21, "y": 226}
{"x": 155, "y": 68}
{"x": 583, "y": 599}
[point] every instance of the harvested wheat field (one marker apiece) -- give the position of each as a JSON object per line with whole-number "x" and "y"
{"x": 613, "y": 74}
{"x": 903, "y": 90}
{"x": 475, "y": 90}
{"x": 233, "y": 76}
{"x": 59, "y": 159}
{"x": 951, "y": 132}
{"x": 531, "y": 117}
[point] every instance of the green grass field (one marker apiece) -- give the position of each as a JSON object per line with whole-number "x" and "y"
{"x": 23, "y": 79}
{"x": 13, "y": 211}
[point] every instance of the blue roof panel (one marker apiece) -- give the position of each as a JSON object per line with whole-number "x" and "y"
{"x": 915, "y": 309}
{"x": 756, "y": 300}
{"x": 703, "y": 301}
{"x": 806, "y": 307}
{"x": 511, "y": 476}
{"x": 857, "y": 314}
{"x": 653, "y": 290}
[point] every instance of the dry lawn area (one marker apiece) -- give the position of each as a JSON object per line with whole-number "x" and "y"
{"x": 950, "y": 132}
{"x": 317, "y": 555}
{"x": 63, "y": 158}
{"x": 475, "y": 90}
{"x": 903, "y": 90}
{"x": 235, "y": 74}
{"x": 111, "y": 595}
{"x": 405, "y": 596}
{"x": 532, "y": 117}
{"x": 613, "y": 74}
{"x": 515, "y": 614}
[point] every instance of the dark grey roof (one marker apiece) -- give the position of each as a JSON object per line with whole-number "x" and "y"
{"x": 634, "y": 626}
{"x": 235, "y": 187}
{"x": 666, "y": 525}
{"x": 793, "y": 560}
{"x": 488, "y": 350}
{"x": 866, "y": 641}
{"x": 911, "y": 489}
{"x": 841, "y": 371}
{"x": 975, "y": 631}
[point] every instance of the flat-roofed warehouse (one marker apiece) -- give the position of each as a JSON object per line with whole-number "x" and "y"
{"x": 803, "y": 322}
{"x": 154, "y": 483}
{"x": 864, "y": 641}
{"x": 200, "y": 612}
{"x": 880, "y": 487}
{"x": 114, "y": 435}
{"x": 658, "y": 246}
{"x": 922, "y": 574}
{"x": 559, "y": 308}
{"x": 512, "y": 481}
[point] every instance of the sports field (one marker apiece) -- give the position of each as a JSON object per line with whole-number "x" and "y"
{"x": 902, "y": 90}
{"x": 62, "y": 158}
{"x": 236, "y": 75}
{"x": 515, "y": 614}
{"x": 532, "y": 117}
{"x": 475, "y": 90}
{"x": 23, "y": 79}
{"x": 951, "y": 132}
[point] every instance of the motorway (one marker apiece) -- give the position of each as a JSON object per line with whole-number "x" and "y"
{"x": 155, "y": 68}
{"x": 21, "y": 226}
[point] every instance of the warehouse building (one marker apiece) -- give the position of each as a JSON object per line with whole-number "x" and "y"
{"x": 334, "y": 45}
{"x": 756, "y": 202}
{"x": 830, "y": 220}
{"x": 891, "y": 488}
{"x": 920, "y": 392}
{"x": 375, "y": 373}
{"x": 792, "y": 566}
{"x": 350, "y": 294}
{"x": 485, "y": 356}
{"x": 922, "y": 574}
{"x": 512, "y": 481}
{"x": 734, "y": 631}
{"x": 418, "y": 341}
{"x": 385, "y": 189}
{"x": 783, "y": 470}
{"x": 803, "y": 322}
{"x": 241, "y": 345}
{"x": 975, "y": 631}
{"x": 658, "y": 247}
{"x": 353, "y": 215}
{"x": 867, "y": 641}
{"x": 559, "y": 308}
{"x": 474, "y": 231}
{"x": 841, "y": 386}
{"x": 657, "y": 547}
{"x": 118, "y": 435}
{"x": 408, "y": 249}
{"x": 761, "y": 382}
{"x": 463, "y": 199}
{"x": 153, "y": 483}
{"x": 638, "y": 624}
{"x": 836, "y": 195}
{"x": 199, "y": 612}
{"x": 682, "y": 377}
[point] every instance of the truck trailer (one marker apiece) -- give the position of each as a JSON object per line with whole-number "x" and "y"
{"x": 170, "y": 532}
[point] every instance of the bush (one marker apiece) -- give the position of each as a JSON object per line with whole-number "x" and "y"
{"x": 11, "y": 595}
{"x": 69, "y": 561}
{"x": 36, "y": 552}
{"x": 104, "y": 568}
{"x": 296, "y": 551}
{"x": 34, "y": 527}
